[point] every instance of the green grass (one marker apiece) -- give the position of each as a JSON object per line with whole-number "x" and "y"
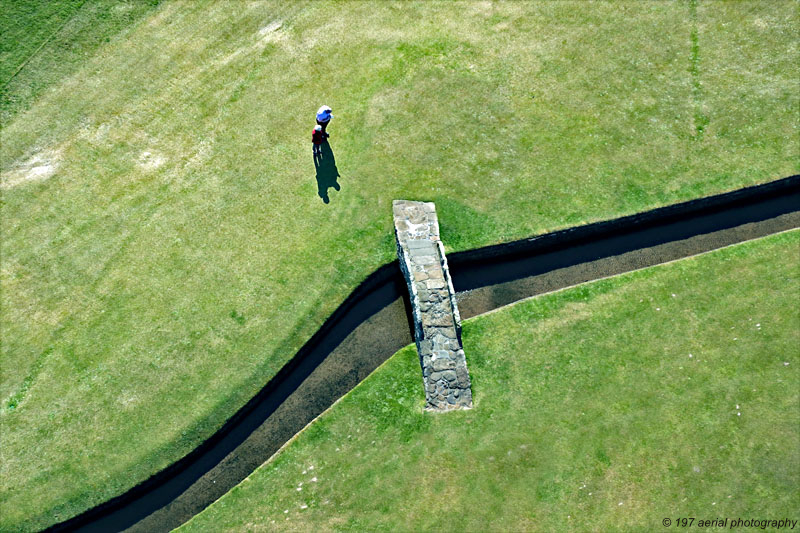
{"x": 164, "y": 248}
{"x": 605, "y": 407}
{"x": 42, "y": 41}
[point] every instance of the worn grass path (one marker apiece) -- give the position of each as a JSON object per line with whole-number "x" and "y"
{"x": 666, "y": 392}
{"x": 164, "y": 250}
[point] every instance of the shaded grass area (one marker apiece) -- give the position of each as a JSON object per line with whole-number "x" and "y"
{"x": 667, "y": 392}
{"x": 26, "y": 26}
{"x": 164, "y": 248}
{"x": 43, "y": 41}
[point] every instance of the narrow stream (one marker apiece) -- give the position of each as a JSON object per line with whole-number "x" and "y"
{"x": 373, "y": 323}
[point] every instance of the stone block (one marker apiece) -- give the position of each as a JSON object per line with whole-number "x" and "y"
{"x": 433, "y": 319}
{"x": 416, "y": 215}
{"x": 433, "y": 274}
{"x": 439, "y": 340}
{"x": 436, "y": 284}
{"x": 419, "y": 246}
{"x": 450, "y": 333}
{"x": 440, "y": 364}
{"x": 425, "y": 260}
{"x": 462, "y": 376}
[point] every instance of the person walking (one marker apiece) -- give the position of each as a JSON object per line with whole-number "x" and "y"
{"x": 317, "y": 138}
{"x": 323, "y": 118}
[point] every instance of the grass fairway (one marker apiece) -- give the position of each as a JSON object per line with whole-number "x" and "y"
{"x": 610, "y": 406}
{"x": 43, "y": 41}
{"x": 164, "y": 250}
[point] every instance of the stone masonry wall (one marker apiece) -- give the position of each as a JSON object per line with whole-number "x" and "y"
{"x": 437, "y": 324}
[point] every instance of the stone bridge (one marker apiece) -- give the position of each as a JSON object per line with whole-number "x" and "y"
{"x": 437, "y": 324}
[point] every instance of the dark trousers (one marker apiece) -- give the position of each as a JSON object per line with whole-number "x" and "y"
{"x": 323, "y": 124}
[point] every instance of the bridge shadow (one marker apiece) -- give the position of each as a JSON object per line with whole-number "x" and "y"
{"x": 327, "y": 173}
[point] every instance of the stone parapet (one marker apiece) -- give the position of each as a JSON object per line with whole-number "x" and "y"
{"x": 437, "y": 324}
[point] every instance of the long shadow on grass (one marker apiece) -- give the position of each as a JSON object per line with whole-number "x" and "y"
{"x": 327, "y": 173}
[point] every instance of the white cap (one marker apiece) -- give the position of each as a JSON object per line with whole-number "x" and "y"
{"x": 323, "y": 109}
{"x": 317, "y": 128}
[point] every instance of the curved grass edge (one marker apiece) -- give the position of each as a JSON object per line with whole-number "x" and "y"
{"x": 380, "y": 289}
{"x": 364, "y": 408}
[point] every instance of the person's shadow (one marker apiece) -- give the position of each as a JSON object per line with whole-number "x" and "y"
{"x": 327, "y": 173}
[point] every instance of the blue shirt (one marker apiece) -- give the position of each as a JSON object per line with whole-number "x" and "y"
{"x": 324, "y": 114}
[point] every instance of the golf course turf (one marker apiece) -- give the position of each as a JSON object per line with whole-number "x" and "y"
{"x": 666, "y": 392}
{"x": 164, "y": 248}
{"x": 43, "y": 41}
{"x": 373, "y": 323}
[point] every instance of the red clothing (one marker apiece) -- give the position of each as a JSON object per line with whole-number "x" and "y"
{"x": 317, "y": 137}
